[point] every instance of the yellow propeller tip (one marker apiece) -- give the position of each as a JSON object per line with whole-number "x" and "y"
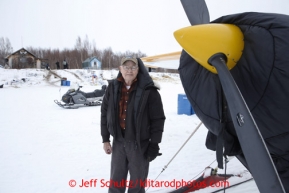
{"x": 203, "y": 41}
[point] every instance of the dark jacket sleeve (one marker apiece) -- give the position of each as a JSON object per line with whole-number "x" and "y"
{"x": 104, "y": 119}
{"x": 156, "y": 116}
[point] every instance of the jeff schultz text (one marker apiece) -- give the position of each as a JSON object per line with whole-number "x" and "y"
{"x": 147, "y": 183}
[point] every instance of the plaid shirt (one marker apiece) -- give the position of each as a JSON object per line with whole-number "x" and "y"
{"x": 124, "y": 100}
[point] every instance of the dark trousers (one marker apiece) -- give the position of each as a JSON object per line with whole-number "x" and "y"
{"x": 128, "y": 157}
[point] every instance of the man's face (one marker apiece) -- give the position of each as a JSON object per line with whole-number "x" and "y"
{"x": 129, "y": 71}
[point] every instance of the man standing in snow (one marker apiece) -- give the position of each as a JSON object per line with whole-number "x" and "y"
{"x": 93, "y": 78}
{"x": 64, "y": 64}
{"x": 47, "y": 66}
{"x": 131, "y": 112}
{"x": 57, "y": 65}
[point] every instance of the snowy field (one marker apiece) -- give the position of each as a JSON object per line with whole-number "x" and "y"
{"x": 44, "y": 147}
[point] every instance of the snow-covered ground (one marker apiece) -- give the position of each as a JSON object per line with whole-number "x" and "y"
{"x": 43, "y": 146}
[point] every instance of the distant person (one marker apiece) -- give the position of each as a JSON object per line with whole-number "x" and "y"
{"x": 47, "y": 66}
{"x": 94, "y": 78}
{"x": 64, "y": 64}
{"x": 57, "y": 65}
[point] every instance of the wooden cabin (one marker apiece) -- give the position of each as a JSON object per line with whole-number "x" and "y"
{"x": 22, "y": 58}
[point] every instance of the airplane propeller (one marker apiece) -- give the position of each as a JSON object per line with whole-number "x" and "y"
{"x": 219, "y": 53}
{"x": 196, "y": 11}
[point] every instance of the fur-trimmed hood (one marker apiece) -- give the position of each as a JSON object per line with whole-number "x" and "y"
{"x": 157, "y": 85}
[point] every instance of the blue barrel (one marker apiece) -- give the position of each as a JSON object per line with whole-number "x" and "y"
{"x": 63, "y": 82}
{"x": 184, "y": 106}
{"x": 67, "y": 83}
{"x": 192, "y": 112}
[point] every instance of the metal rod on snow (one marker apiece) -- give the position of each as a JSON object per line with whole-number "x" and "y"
{"x": 183, "y": 145}
{"x": 165, "y": 167}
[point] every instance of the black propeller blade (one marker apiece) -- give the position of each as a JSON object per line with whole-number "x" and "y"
{"x": 254, "y": 148}
{"x": 196, "y": 11}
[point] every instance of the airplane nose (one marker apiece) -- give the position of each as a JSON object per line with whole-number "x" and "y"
{"x": 203, "y": 41}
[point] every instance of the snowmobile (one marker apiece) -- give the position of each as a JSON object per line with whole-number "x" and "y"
{"x": 73, "y": 99}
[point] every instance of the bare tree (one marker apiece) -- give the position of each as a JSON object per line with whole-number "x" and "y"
{"x": 87, "y": 47}
{"x": 78, "y": 47}
{"x": 5, "y": 49}
{"x": 106, "y": 62}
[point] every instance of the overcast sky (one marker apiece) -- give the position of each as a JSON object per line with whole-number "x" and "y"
{"x": 145, "y": 25}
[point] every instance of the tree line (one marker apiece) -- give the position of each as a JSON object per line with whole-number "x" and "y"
{"x": 82, "y": 50}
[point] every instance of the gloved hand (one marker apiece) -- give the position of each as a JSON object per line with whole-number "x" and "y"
{"x": 152, "y": 151}
{"x": 107, "y": 147}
